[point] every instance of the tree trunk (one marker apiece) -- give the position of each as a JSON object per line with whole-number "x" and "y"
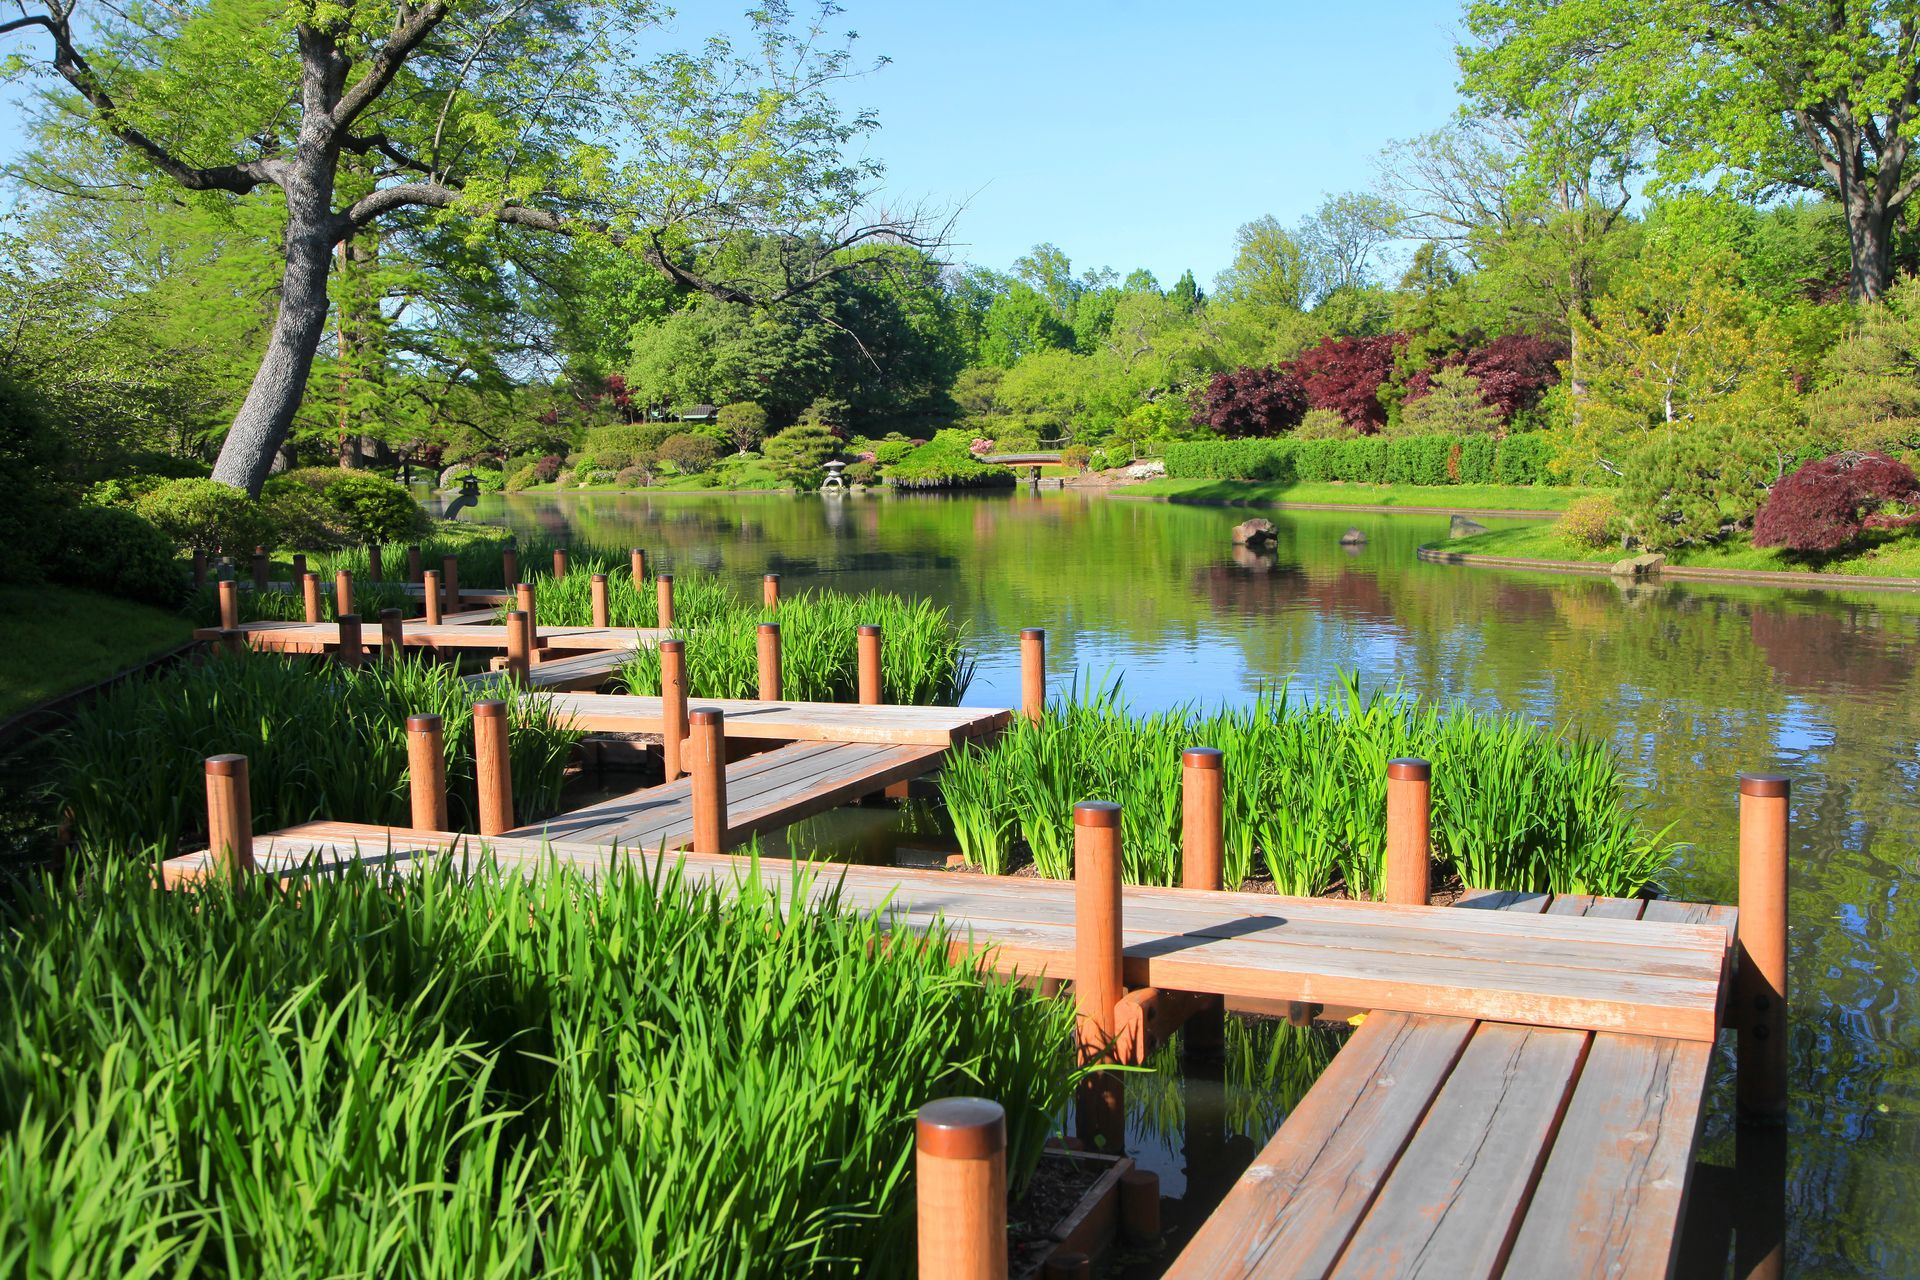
{"x": 267, "y": 414}
{"x": 1869, "y": 242}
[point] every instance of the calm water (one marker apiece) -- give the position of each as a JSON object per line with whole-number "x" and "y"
{"x": 1692, "y": 684}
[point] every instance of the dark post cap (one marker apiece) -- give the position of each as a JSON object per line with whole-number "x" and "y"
{"x": 599, "y": 577}
{"x": 1202, "y": 757}
{"x": 869, "y": 628}
{"x": 773, "y": 627}
{"x": 491, "y": 709}
{"x": 706, "y": 715}
{"x": 226, "y": 766}
{"x": 1768, "y": 785}
{"x": 1033, "y": 633}
{"x": 424, "y": 724}
{"x": 1409, "y": 769}
{"x": 389, "y": 615}
{"x": 961, "y": 1128}
{"x": 1096, "y": 813}
{"x": 673, "y": 646}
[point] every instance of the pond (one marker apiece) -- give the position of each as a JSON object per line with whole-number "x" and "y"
{"x": 1691, "y": 683}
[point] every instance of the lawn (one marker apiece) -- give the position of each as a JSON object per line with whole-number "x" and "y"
{"x": 1882, "y": 554}
{"x": 59, "y": 639}
{"x": 1452, "y": 497}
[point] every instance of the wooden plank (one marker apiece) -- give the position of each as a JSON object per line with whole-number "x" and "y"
{"x": 1294, "y": 1209}
{"x": 1028, "y": 927}
{"x": 1452, "y": 1203}
{"x": 585, "y": 671}
{"x": 792, "y": 721}
{"x": 444, "y": 635}
{"x": 1613, "y": 1194}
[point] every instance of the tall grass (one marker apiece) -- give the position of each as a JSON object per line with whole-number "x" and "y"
{"x": 477, "y": 547}
{"x": 503, "y": 1078}
{"x": 321, "y": 742}
{"x": 1515, "y": 806}
{"x": 369, "y": 598}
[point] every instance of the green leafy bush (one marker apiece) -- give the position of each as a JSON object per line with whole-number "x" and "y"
{"x": 1421, "y": 460}
{"x": 888, "y": 452}
{"x": 1526, "y": 458}
{"x": 205, "y": 515}
{"x": 29, "y": 458}
{"x": 690, "y": 453}
{"x": 862, "y": 473}
{"x": 743, "y": 423}
{"x": 523, "y": 478}
{"x": 947, "y": 462}
{"x": 800, "y": 453}
{"x": 114, "y": 551}
{"x": 375, "y": 509}
{"x": 1592, "y": 522}
{"x": 302, "y": 518}
{"x": 436, "y": 1071}
{"x": 1425, "y": 460}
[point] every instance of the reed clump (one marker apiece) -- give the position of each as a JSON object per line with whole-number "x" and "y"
{"x": 1515, "y": 805}
{"x": 321, "y": 740}
{"x": 503, "y": 1076}
{"x": 369, "y": 598}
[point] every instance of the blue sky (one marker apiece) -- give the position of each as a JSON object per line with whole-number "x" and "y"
{"x": 1129, "y": 134}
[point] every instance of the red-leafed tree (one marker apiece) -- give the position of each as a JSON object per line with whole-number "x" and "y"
{"x": 1262, "y": 401}
{"x": 1513, "y": 371}
{"x": 1346, "y": 374}
{"x": 1828, "y": 503}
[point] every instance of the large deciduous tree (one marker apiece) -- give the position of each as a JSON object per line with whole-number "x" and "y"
{"x": 533, "y": 114}
{"x": 1814, "y": 94}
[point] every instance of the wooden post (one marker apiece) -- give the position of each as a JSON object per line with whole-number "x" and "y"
{"x": 430, "y": 595}
{"x": 229, "y": 604}
{"x": 393, "y": 636}
{"x": 1760, "y": 982}
{"x": 707, "y": 761}
{"x": 664, "y": 584}
{"x": 1140, "y": 1205}
{"x": 413, "y": 563}
{"x": 493, "y": 766}
{"x": 299, "y": 567}
{"x": 770, "y": 590}
{"x": 638, "y": 559}
{"x": 1097, "y": 983}
{"x": 519, "y": 655}
{"x": 1033, "y": 673}
{"x": 523, "y": 595}
{"x": 673, "y": 705}
{"x": 450, "y": 582}
{"x": 427, "y": 772}
{"x": 342, "y": 593}
{"x": 769, "y": 641}
{"x": 1202, "y": 839}
{"x": 310, "y": 596}
{"x": 559, "y": 562}
{"x": 375, "y": 570}
{"x": 868, "y": 641}
{"x": 1067, "y": 1266}
{"x": 259, "y": 568}
{"x": 598, "y": 589}
{"x": 509, "y": 566}
{"x": 349, "y": 652}
{"x": 960, "y": 1176}
{"x": 233, "y": 640}
{"x": 229, "y": 814}
{"x": 199, "y": 569}
{"x": 1409, "y": 815}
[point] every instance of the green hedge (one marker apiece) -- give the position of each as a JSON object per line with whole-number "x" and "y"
{"x": 1428, "y": 460}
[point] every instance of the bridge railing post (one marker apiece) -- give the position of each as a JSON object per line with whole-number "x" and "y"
{"x": 430, "y": 591}
{"x": 707, "y": 752}
{"x": 768, "y": 641}
{"x": 1033, "y": 673}
{"x": 427, "y": 772}
{"x": 1409, "y": 831}
{"x": 493, "y": 766}
{"x": 663, "y": 587}
{"x": 673, "y": 706}
{"x": 960, "y": 1178}
{"x": 867, "y": 640}
{"x": 310, "y": 597}
{"x": 637, "y": 559}
{"x": 519, "y": 646}
{"x": 597, "y": 589}
{"x": 1760, "y": 982}
{"x": 1098, "y": 984}
{"x": 350, "y": 650}
{"x": 393, "y": 636}
{"x": 229, "y": 592}
{"x": 450, "y": 582}
{"x": 229, "y": 814}
{"x": 259, "y": 568}
{"x": 1202, "y": 837}
{"x": 770, "y": 590}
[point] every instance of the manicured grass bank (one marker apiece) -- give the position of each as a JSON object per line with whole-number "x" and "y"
{"x": 1881, "y": 553}
{"x": 502, "y": 1078}
{"x": 60, "y": 639}
{"x": 1446, "y": 497}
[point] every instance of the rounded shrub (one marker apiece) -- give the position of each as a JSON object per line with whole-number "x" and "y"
{"x": 1591, "y": 522}
{"x": 302, "y": 517}
{"x": 524, "y": 478}
{"x": 205, "y": 515}
{"x": 113, "y": 551}
{"x": 1077, "y": 456}
{"x": 375, "y": 509}
{"x": 691, "y": 454}
{"x": 29, "y": 456}
{"x": 1827, "y": 504}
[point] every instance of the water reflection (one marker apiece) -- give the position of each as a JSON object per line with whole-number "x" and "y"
{"x": 1691, "y": 683}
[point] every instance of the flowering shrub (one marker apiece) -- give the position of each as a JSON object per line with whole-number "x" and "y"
{"x": 1591, "y": 522}
{"x": 1262, "y": 401}
{"x": 981, "y": 445}
{"x": 1828, "y": 503}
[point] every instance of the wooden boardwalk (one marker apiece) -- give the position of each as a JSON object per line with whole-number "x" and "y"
{"x": 792, "y": 721}
{"x": 1557, "y": 971}
{"x": 305, "y": 637}
{"x": 1456, "y": 1147}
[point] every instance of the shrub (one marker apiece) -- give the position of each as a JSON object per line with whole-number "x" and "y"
{"x": 862, "y": 473}
{"x": 374, "y": 509}
{"x": 1524, "y": 459}
{"x": 633, "y": 477}
{"x": 524, "y": 478}
{"x": 1828, "y": 504}
{"x": 888, "y": 452}
{"x": 1076, "y": 456}
{"x": 947, "y": 462}
{"x": 114, "y": 551}
{"x": 1591, "y": 522}
{"x": 547, "y": 469}
{"x": 1452, "y": 404}
{"x": 799, "y": 454}
{"x": 1322, "y": 424}
{"x": 1231, "y": 460}
{"x": 1346, "y": 374}
{"x": 691, "y": 454}
{"x": 745, "y": 423}
{"x": 615, "y": 445}
{"x": 1688, "y": 486}
{"x": 302, "y": 517}
{"x": 1473, "y": 464}
{"x": 1420, "y": 460}
{"x": 1252, "y": 402}
{"x": 206, "y": 515}
{"x": 1511, "y": 372}
{"x": 828, "y": 412}
{"x": 30, "y": 454}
